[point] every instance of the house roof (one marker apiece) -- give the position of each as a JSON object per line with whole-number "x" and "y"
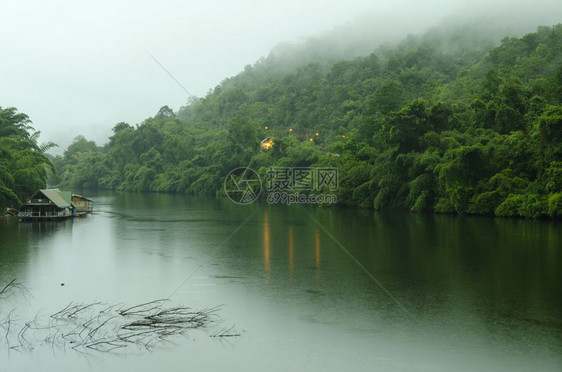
{"x": 81, "y": 197}
{"x": 60, "y": 198}
{"x": 67, "y": 196}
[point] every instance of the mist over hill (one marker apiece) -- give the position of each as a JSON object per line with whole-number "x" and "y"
{"x": 479, "y": 24}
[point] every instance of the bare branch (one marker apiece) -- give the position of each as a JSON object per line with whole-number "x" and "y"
{"x": 106, "y": 328}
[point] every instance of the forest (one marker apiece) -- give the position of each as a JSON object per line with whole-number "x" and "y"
{"x": 24, "y": 166}
{"x": 443, "y": 123}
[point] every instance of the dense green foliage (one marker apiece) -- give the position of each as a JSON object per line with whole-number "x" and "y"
{"x": 439, "y": 124}
{"x": 23, "y": 163}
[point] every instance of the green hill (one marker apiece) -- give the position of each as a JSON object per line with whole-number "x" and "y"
{"x": 449, "y": 122}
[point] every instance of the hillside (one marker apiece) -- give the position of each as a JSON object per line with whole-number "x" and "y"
{"x": 447, "y": 122}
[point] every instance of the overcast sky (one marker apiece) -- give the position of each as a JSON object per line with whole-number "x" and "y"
{"x": 80, "y": 67}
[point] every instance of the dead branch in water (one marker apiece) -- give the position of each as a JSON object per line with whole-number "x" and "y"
{"x": 99, "y": 327}
{"x": 102, "y": 327}
{"x": 11, "y": 288}
{"x": 142, "y": 308}
{"x": 225, "y": 332}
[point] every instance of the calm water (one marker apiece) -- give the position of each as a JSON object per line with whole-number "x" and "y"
{"x": 477, "y": 293}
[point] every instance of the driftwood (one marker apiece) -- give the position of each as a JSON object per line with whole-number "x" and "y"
{"x": 102, "y": 327}
{"x": 11, "y": 289}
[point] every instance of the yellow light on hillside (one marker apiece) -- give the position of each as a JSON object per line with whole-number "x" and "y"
{"x": 311, "y": 139}
{"x": 266, "y": 128}
{"x": 291, "y": 130}
{"x": 317, "y": 134}
{"x": 267, "y": 144}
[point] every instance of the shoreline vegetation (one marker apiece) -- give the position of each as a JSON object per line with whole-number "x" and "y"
{"x": 442, "y": 123}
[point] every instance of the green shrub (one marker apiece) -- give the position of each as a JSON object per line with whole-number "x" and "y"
{"x": 534, "y": 206}
{"x": 484, "y": 203}
{"x": 523, "y": 205}
{"x": 443, "y": 205}
{"x": 555, "y": 205}
{"x": 510, "y": 206}
{"x": 422, "y": 202}
{"x": 382, "y": 199}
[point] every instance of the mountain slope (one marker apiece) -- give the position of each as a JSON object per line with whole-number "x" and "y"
{"x": 444, "y": 122}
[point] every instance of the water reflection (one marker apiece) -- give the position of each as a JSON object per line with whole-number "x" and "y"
{"x": 317, "y": 254}
{"x": 289, "y": 248}
{"x": 42, "y": 229}
{"x": 291, "y": 254}
{"x": 266, "y": 259}
{"x": 21, "y": 241}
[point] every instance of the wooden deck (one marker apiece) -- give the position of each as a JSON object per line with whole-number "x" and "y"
{"x": 29, "y": 216}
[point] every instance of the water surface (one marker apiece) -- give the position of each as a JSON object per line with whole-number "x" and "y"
{"x": 449, "y": 293}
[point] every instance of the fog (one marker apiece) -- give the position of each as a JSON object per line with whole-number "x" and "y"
{"x": 81, "y": 67}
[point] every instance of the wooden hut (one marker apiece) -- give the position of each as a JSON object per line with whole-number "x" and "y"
{"x": 82, "y": 204}
{"x": 47, "y": 204}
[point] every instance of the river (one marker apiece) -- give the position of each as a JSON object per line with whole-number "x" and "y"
{"x": 306, "y": 289}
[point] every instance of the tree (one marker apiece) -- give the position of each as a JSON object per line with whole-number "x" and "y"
{"x": 23, "y": 163}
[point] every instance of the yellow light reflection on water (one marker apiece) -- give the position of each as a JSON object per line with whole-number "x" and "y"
{"x": 266, "y": 253}
{"x": 317, "y": 252}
